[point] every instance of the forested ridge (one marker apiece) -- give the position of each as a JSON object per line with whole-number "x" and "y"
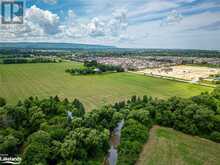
{"x": 55, "y": 131}
{"x": 114, "y": 52}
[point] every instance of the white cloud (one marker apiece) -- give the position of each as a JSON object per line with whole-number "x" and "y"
{"x": 96, "y": 27}
{"x": 50, "y": 1}
{"x": 37, "y": 23}
{"x": 172, "y": 18}
{"x": 43, "y": 19}
{"x": 118, "y": 23}
{"x": 112, "y": 26}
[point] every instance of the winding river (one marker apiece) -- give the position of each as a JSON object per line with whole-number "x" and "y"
{"x": 114, "y": 142}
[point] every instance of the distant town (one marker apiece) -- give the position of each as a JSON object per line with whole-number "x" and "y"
{"x": 138, "y": 63}
{"x": 202, "y": 70}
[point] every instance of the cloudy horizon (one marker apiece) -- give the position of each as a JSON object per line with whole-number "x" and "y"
{"x": 168, "y": 24}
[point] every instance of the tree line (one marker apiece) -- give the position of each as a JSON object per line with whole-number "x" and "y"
{"x": 27, "y": 60}
{"x": 54, "y": 131}
{"x": 92, "y": 67}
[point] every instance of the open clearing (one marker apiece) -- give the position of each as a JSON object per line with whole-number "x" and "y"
{"x": 169, "y": 147}
{"x": 188, "y": 73}
{"x": 19, "y": 81}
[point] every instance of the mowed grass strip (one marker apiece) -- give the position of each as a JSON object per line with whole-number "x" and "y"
{"x": 169, "y": 147}
{"x": 19, "y": 81}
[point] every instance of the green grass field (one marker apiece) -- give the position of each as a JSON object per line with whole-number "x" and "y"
{"x": 19, "y": 81}
{"x": 169, "y": 147}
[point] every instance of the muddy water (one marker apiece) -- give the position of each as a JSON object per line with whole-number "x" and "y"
{"x": 114, "y": 142}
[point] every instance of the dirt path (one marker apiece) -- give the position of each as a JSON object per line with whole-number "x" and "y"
{"x": 148, "y": 146}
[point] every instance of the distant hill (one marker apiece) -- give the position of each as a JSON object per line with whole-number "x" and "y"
{"x": 45, "y": 45}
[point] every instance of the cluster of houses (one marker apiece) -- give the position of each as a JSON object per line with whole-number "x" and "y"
{"x": 140, "y": 62}
{"x": 127, "y": 63}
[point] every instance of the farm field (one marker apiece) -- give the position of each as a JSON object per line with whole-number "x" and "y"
{"x": 19, "y": 81}
{"x": 167, "y": 146}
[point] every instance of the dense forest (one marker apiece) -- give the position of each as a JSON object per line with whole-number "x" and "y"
{"x": 54, "y": 131}
{"x": 92, "y": 67}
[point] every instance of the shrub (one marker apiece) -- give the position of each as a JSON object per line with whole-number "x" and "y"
{"x": 215, "y": 136}
{"x": 2, "y": 102}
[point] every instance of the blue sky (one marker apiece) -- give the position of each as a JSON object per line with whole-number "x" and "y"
{"x": 186, "y": 24}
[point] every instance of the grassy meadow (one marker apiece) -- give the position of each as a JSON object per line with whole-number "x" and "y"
{"x": 19, "y": 81}
{"x": 167, "y": 146}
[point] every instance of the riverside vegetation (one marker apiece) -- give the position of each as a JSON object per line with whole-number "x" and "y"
{"x": 54, "y": 131}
